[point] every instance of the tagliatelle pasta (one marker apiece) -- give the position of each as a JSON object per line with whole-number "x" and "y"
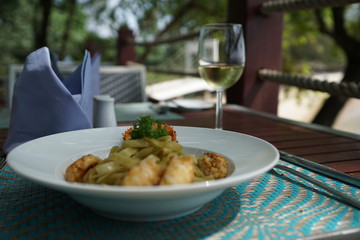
{"x": 147, "y": 162}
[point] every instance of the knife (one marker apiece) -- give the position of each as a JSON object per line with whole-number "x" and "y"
{"x": 2, "y": 160}
{"x": 320, "y": 169}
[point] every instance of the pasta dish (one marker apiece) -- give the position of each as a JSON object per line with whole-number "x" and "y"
{"x": 149, "y": 155}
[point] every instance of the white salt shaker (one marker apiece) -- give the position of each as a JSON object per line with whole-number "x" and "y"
{"x": 104, "y": 111}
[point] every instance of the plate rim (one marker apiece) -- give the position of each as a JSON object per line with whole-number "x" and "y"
{"x": 67, "y": 187}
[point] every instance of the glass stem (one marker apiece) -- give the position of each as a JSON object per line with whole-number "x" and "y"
{"x": 219, "y": 110}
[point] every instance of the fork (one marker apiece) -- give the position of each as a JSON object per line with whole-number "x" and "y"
{"x": 342, "y": 197}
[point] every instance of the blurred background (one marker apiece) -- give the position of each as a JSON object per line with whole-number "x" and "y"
{"x": 162, "y": 36}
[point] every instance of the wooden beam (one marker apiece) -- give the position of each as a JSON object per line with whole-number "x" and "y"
{"x": 125, "y": 48}
{"x": 263, "y": 38}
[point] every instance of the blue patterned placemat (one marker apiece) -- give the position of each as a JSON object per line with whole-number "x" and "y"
{"x": 275, "y": 205}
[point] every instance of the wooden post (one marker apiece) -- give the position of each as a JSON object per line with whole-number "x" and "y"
{"x": 263, "y": 37}
{"x": 125, "y": 46}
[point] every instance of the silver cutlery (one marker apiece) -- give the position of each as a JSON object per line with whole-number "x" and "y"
{"x": 2, "y": 160}
{"x": 342, "y": 197}
{"x": 320, "y": 169}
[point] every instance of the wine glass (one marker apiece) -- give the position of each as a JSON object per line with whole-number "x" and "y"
{"x": 221, "y": 59}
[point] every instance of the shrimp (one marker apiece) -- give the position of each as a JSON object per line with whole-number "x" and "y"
{"x": 77, "y": 170}
{"x": 146, "y": 173}
{"x": 213, "y": 164}
{"x": 179, "y": 171}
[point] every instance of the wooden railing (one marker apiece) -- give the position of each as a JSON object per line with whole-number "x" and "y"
{"x": 349, "y": 86}
{"x": 297, "y": 5}
{"x": 347, "y": 89}
{"x": 262, "y": 21}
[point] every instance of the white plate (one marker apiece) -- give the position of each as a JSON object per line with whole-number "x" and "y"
{"x": 44, "y": 161}
{"x": 190, "y": 104}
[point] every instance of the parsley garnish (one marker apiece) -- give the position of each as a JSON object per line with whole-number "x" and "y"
{"x": 144, "y": 128}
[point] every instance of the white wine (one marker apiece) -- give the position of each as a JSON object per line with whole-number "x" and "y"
{"x": 221, "y": 77}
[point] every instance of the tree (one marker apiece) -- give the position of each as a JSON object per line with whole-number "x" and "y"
{"x": 28, "y": 25}
{"x": 305, "y": 49}
{"x": 324, "y": 40}
{"x": 16, "y": 32}
{"x": 159, "y": 19}
{"x": 41, "y": 22}
{"x": 347, "y": 37}
{"x": 68, "y": 27}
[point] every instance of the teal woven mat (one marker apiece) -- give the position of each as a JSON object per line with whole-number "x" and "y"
{"x": 273, "y": 206}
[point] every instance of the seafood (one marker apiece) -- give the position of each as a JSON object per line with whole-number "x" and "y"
{"x": 180, "y": 170}
{"x": 213, "y": 164}
{"x": 77, "y": 170}
{"x": 146, "y": 173}
{"x": 149, "y": 155}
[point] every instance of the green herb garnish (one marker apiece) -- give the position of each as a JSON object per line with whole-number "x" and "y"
{"x": 144, "y": 127}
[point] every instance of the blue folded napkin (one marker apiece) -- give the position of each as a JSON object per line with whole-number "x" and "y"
{"x": 43, "y": 104}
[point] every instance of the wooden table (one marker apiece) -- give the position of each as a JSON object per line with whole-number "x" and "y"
{"x": 335, "y": 149}
{"x": 323, "y": 145}
{"x": 275, "y": 204}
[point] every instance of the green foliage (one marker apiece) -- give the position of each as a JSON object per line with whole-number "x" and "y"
{"x": 78, "y": 34}
{"x": 19, "y": 18}
{"x": 16, "y": 32}
{"x": 166, "y": 19}
{"x": 305, "y": 49}
{"x": 152, "y": 77}
{"x": 154, "y": 15}
{"x": 105, "y": 46}
{"x": 352, "y": 17}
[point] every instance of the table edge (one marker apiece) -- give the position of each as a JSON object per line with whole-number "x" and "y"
{"x": 312, "y": 126}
